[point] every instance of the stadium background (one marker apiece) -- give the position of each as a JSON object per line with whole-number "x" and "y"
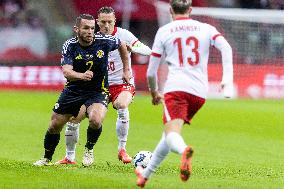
{"x": 32, "y": 33}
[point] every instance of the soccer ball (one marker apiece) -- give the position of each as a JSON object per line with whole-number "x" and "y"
{"x": 142, "y": 158}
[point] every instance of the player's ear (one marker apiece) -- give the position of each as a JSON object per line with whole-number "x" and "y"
{"x": 75, "y": 29}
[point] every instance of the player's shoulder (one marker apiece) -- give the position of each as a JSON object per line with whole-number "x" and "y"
{"x": 166, "y": 26}
{"x": 203, "y": 24}
{"x": 72, "y": 40}
{"x": 101, "y": 36}
{"x": 124, "y": 33}
{"x": 69, "y": 43}
{"x": 163, "y": 29}
{"x": 122, "y": 30}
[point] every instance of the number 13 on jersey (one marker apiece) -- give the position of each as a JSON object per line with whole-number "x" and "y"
{"x": 191, "y": 44}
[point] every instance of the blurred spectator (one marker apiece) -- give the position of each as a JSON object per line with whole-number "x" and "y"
{"x": 262, "y": 4}
{"x": 199, "y": 3}
{"x": 255, "y": 4}
{"x": 33, "y": 19}
{"x": 226, "y": 3}
{"x": 24, "y": 31}
{"x": 14, "y": 20}
{"x": 10, "y": 7}
{"x": 277, "y": 4}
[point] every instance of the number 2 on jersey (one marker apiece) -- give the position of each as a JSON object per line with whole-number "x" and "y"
{"x": 195, "y": 45}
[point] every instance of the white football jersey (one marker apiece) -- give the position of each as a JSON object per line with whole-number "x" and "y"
{"x": 115, "y": 66}
{"x": 185, "y": 43}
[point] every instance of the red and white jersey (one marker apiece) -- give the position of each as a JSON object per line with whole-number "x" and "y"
{"x": 185, "y": 43}
{"x": 115, "y": 66}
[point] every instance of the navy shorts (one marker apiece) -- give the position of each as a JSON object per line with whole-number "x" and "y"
{"x": 70, "y": 102}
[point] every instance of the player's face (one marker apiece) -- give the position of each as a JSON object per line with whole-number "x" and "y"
{"x": 106, "y": 23}
{"x": 86, "y": 31}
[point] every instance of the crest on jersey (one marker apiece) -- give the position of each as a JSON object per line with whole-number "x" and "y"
{"x": 100, "y": 53}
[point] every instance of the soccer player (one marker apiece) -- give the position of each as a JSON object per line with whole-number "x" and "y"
{"x": 121, "y": 94}
{"x": 185, "y": 43}
{"x": 84, "y": 63}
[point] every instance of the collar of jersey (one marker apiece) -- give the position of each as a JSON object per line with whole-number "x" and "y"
{"x": 183, "y": 18}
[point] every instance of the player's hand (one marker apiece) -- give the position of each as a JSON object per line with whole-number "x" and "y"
{"x": 228, "y": 90}
{"x": 156, "y": 97}
{"x": 87, "y": 76}
{"x": 126, "y": 76}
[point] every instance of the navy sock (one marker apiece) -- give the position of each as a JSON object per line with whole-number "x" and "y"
{"x": 50, "y": 143}
{"x": 92, "y": 137}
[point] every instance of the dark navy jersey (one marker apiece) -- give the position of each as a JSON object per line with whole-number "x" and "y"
{"x": 93, "y": 58}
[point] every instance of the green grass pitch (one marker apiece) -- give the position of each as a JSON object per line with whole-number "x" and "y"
{"x": 238, "y": 144}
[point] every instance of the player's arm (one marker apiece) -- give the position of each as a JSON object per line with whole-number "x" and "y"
{"x": 136, "y": 46}
{"x": 152, "y": 71}
{"x": 125, "y": 62}
{"x": 227, "y": 62}
{"x": 72, "y": 75}
{"x": 140, "y": 48}
{"x": 67, "y": 65}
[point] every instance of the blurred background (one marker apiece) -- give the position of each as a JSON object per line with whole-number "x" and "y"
{"x": 32, "y": 33}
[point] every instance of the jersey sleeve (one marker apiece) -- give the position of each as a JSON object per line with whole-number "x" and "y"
{"x": 66, "y": 56}
{"x": 114, "y": 43}
{"x": 131, "y": 39}
{"x": 214, "y": 34}
{"x": 158, "y": 49}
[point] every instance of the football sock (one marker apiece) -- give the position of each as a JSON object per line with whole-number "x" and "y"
{"x": 71, "y": 139}
{"x": 175, "y": 142}
{"x": 159, "y": 154}
{"x": 122, "y": 126}
{"x": 92, "y": 137}
{"x": 50, "y": 143}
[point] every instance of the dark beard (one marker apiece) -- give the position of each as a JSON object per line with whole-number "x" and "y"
{"x": 83, "y": 40}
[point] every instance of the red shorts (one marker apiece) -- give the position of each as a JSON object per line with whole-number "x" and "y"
{"x": 115, "y": 90}
{"x": 181, "y": 105}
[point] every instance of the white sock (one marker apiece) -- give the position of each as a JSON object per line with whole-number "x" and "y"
{"x": 175, "y": 142}
{"x": 159, "y": 154}
{"x": 122, "y": 126}
{"x": 71, "y": 139}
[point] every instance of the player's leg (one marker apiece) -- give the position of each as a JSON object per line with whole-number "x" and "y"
{"x": 159, "y": 154}
{"x": 177, "y": 145}
{"x": 175, "y": 117}
{"x": 96, "y": 113}
{"x": 173, "y": 136}
{"x": 68, "y": 105}
{"x": 121, "y": 103}
{"x": 72, "y": 137}
{"x": 161, "y": 151}
{"x": 52, "y": 137}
